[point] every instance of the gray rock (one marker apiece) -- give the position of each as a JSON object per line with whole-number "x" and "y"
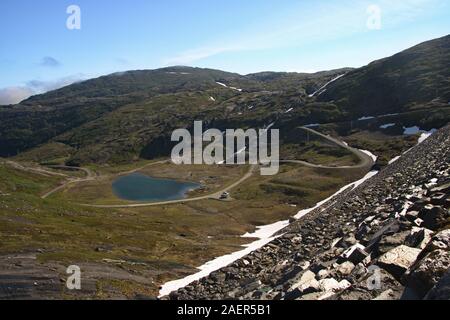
{"x": 306, "y": 277}
{"x": 398, "y": 260}
{"x": 429, "y": 214}
{"x": 439, "y": 241}
{"x": 426, "y": 273}
{"x": 388, "y": 243}
{"x": 331, "y": 286}
{"x": 346, "y": 268}
{"x": 419, "y": 237}
{"x": 389, "y": 294}
{"x": 441, "y": 290}
{"x": 354, "y": 254}
{"x": 322, "y": 274}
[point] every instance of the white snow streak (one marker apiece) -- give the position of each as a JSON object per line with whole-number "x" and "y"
{"x": 370, "y": 154}
{"x": 425, "y": 135}
{"x": 366, "y": 118}
{"x": 388, "y": 125}
{"x": 322, "y": 89}
{"x": 264, "y": 234}
{"x": 394, "y": 160}
{"x": 232, "y": 88}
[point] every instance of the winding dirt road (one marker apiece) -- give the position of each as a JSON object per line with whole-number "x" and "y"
{"x": 90, "y": 176}
{"x": 366, "y": 161}
{"x": 215, "y": 196}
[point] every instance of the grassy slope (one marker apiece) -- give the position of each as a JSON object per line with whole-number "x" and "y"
{"x": 155, "y": 243}
{"x": 413, "y": 79}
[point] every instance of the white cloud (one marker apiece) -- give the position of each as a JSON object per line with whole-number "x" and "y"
{"x": 193, "y": 55}
{"x": 40, "y": 86}
{"x": 13, "y": 95}
{"x": 16, "y": 94}
{"x": 321, "y": 23}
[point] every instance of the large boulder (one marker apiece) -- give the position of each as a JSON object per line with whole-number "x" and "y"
{"x": 419, "y": 238}
{"x": 440, "y": 241}
{"x": 345, "y": 268}
{"x": 430, "y": 215}
{"x": 307, "y": 284}
{"x": 441, "y": 290}
{"x": 364, "y": 288}
{"x": 355, "y": 254}
{"x": 426, "y": 273}
{"x": 390, "y": 242}
{"x": 398, "y": 260}
{"x": 331, "y": 286}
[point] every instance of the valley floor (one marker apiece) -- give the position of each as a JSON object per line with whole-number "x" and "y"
{"x": 128, "y": 252}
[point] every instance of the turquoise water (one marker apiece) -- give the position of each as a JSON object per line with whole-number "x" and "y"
{"x": 139, "y": 187}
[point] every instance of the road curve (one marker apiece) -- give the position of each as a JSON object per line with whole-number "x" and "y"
{"x": 365, "y": 162}
{"x": 90, "y": 176}
{"x": 215, "y": 195}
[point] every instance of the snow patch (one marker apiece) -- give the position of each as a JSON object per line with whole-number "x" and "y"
{"x": 222, "y": 84}
{"x": 366, "y": 118}
{"x": 425, "y": 135}
{"x": 182, "y": 73}
{"x": 388, "y": 125}
{"x": 232, "y": 88}
{"x": 370, "y": 154}
{"x": 312, "y": 125}
{"x": 416, "y": 130}
{"x": 394, "y": 160}
{"x": 322, "y": 89}
{"x": 366, "y": 177}
{"x": 354, "y": 185}
{"x": 264, "y": 234}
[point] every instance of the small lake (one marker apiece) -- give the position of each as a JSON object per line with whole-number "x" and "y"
{"x": 139, "y": 187}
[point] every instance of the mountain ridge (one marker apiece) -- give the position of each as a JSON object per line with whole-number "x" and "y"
{"x": 132, "y": 113}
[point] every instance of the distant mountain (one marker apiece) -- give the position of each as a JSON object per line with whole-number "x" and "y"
{"x": 415, "y": 78}
{"x": 130, "y": 115}
{"x": 125, "y": 112}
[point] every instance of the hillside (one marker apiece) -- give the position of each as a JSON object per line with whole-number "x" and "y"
{"x": 64, "y": 151}
{"x": 120, "y": 117}
{"x": 128, "y": 116}
{"x": 417, "y": 78}
{"x": 396, "y": 223}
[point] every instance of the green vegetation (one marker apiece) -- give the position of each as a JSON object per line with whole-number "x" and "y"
{"x": 416, "y": 78}
{"x": 115, "y": 124}
{"x": 130, "y": 251}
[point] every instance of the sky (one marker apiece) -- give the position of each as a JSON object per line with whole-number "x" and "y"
{"x": 38, "y": 52}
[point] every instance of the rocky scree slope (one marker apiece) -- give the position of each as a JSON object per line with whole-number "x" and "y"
{"x": 389, "y": 238}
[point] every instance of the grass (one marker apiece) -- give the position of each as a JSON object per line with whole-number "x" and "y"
{"x": 212, "y": 179}
{"x": 156, "y": 243}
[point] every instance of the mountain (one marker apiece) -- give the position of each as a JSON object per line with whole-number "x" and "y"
{"x": 417, "y": 78}
{"x": 126, "y": 116}
{"x": 358, "y": 234}
{"x": 42, "y": 117}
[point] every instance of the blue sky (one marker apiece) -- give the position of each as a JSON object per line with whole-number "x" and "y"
{"x": 38, "y": 53}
